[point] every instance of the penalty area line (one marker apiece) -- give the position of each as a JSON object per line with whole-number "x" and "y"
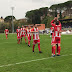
{"x": 29, "y": 61}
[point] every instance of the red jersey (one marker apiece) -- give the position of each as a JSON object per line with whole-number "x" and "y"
{"x": 35, "y": 34}
{"x": 28, "y": 32}
{"x": 6, "y": 31}
{"x": 18, "y": 32}
{"x": 57, "y": 28}
{"x": 23, "y": 31}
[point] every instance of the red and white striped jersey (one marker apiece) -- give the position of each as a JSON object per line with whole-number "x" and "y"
{"x": 23, "y": 31}
{"x": 6, "y": 31}
{"x": 18, "y": 32}
{"x": 35, "y": 34}
{"x": 28, "y": 32}
{"x": 57, "y": 28}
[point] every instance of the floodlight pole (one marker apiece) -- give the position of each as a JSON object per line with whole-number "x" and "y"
{"x": 12, "y": 20}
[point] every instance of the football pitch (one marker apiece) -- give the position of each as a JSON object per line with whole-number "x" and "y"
{"x": 20, "y": 58}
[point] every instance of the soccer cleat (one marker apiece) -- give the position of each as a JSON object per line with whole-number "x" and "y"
{"x": 40, "y": 51}
{"x": 53, "y": 55}
{"x": 33, "y": 51}
{"x": 58, "y": 55}
{"x": 29, "y": 45}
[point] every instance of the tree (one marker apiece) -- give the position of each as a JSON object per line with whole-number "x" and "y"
{"x": 47, "y": 21}
{"x": 60, "y": 15}
{"x": 62, "y": 6}
{"x": 43, "y": 11}
{"x": 54, "y": 9}
{"x": 34, "y": 16}
{"x": 9, "y": 18}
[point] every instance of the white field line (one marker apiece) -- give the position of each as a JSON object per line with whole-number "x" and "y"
{"x": 30, "y": 61}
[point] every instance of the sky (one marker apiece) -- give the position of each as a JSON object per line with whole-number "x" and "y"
{"x": 22, "y": 6}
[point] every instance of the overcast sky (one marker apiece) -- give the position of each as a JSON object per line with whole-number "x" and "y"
{"x": 22, "y": 6}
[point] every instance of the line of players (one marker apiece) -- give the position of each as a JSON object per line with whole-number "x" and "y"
{"x": 22, "y": 32}
{"x": 55, "y": 32}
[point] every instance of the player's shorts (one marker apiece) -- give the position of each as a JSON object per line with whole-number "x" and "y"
{"x": 22, "y": 36}
{"x": 56, "y": 40}
{"x": 18, "y": 37}
{"x": 29, "y": 38}
{"x": 36, "y": 41}
{"x": 6, "y": 34}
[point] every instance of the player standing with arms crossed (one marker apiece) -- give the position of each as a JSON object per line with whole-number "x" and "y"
{"x": 29, "y": 35}
{"x": 18, "y": 35}
{"x": 57, "y": 36}
{"x": 36, "y": 38}
{"x": 23, "y": 33}
{"x": 6, "y": 33}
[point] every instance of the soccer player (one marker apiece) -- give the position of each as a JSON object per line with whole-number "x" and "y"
{"x": 36, "y": 38}
{"x": 29, "y": 35}
{"x": 18, "y": 35}
{"x": 52, "y": 33}
{"x": 6, "y": 33}
{"x": 23, "y": 33}
{"x": 57, "y": 35}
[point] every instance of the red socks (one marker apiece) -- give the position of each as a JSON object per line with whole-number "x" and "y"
{"x": 18, "y": 41}
{"x": 54, "y": 49}
{"x": 28, "y": 42}
{"x": 6, "y": 37}
{"x": 25, "y": 40}
{"x": 33, "y": 47}
{"x": 59, "y": 49}
{"x": 39, "y": 47}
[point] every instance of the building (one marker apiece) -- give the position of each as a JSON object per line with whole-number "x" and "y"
{"x": 1, "y": 20}
{"x": 41, "y": 27}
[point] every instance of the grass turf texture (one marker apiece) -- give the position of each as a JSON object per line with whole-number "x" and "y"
{"x": 11, "y": 53}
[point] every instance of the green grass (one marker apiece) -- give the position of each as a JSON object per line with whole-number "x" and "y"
{"x": 11, "y": 53}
